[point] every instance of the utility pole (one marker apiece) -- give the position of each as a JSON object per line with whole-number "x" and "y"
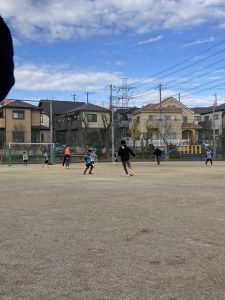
{"x": 112, "y": 120}
{"x": 213, "y": 123}
{"x": 88, "y": 93}
{"x": 51, "y": 121}
{"x": 74, "y": 96}
{"x": 160, "y": 108}
{"x": 159, "y": 87}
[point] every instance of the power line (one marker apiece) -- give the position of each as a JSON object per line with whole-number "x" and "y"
{"x": 198, "y": 76}
{"x": 180, "y": 63}
{"x": 186, "y": 67}
{"x": 149, "y": 92}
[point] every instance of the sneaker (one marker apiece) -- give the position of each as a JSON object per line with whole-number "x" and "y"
{"x": 90, "y": 173}
{"x": 84, "y": 173}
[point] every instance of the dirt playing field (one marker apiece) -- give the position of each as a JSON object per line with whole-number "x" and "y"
{"x": 157, "y": 235}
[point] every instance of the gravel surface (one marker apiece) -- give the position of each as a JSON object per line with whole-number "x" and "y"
{"x": 156, "y": 235}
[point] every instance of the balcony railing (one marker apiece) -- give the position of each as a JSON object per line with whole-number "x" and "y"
{"x": 160, "y": 142}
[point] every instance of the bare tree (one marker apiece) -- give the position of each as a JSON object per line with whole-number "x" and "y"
{"x": 135, "y": 132}
{"x": 106, "y": 118}
{"x": 85, "y": 122}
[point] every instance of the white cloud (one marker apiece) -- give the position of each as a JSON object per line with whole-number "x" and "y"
{"x": 30, "y": 77}
{"x": 64, "y": 19}
{"x": 198, "y": 42}
{"x": 56, "y": 79}
{"x": 149, "y": 41}
{"x": 222, "y": 26}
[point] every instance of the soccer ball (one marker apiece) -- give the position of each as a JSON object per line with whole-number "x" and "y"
{"x": 131, "y": 172}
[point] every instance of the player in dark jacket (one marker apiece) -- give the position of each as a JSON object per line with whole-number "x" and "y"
{"x": 158, "y": 154}
{"x": 124, "y": 152}
{"x": 7, "y": 79}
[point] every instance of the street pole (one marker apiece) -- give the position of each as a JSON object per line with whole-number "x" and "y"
{"x": 112, "y": 122}
{"x": 214, "y": 129}
{"x": 160, "y": 101}
{"x": 51, "y": 122}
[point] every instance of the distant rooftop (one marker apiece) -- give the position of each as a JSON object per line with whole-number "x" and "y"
{"x": 59, "y": 107}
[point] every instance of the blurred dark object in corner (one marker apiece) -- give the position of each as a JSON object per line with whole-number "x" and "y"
{"x": 7, "y": 79}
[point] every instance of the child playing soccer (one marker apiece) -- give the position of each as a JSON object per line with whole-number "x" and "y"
{"x": 67, "y": 154}
{"x": 124, "y": 152}
{"x": 45, "y": 160}
{"x": 25, "y": 158}
{"x": 89, "y": 162}
{"x": 209, "y": 156}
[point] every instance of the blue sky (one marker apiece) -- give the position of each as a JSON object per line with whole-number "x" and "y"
{"x": 67, "y": 47}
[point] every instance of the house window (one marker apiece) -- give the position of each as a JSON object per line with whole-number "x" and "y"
{"x": 138, "y": 119}
{"x": 216, "y": 117}
{"x": 18, "y": 114}
{"x": 1, "y": 113}
{"x": 92, "y": 117}
{"x": 76, "y": 117}
{"x": 206, "y": 118}
{"x": 35, "y": 136}
{"x": 168, "y": 117}
{"x": 42, "y": 137}
{"x": 197, "y": 118}
{"x": 171, "y": 135}
{"x": 152, "y": 117}
{"x": 18, "y": 136}
{"x": 216, "y": 131}
{"x": 184, "y": 119}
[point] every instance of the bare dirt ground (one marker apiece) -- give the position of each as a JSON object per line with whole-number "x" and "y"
{"x": 157, "y": 235}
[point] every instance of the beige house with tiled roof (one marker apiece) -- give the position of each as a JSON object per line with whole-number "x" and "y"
{"x": 169, "y": 120}
{"x": 19, "y": 122}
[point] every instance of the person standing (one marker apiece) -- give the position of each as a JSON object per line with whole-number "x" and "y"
{"x": 67, "y": 154}
{"x": 209, "y": 156}
{"x": 25, "y": 158}
{"x": 124, "y": 152}
{"x": 45, "y": 160}
{"x": 158, "y": 154}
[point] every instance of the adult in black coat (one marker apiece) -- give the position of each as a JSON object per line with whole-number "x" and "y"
{"x": 124, "y": 152}
{"x": 158, "y": 154}
{"x": 7, "y": 79}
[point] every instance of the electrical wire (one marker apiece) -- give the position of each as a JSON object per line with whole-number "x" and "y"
{"x": 180, "y": 63}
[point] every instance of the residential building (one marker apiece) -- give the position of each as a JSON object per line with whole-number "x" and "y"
{"x": 169, "y": 121}
{"x": 84, "y": 125}
{"x": 19, "y": 122}
{"x": 51, "y": 109}
{"x": 213, "y": 125}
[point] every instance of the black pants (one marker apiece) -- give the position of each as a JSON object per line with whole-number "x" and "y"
{"x": 89, "y": 165}
{"x": 208, "y": 159}
{"x": 126, "y": 163}
{"x": 64, "y": 159}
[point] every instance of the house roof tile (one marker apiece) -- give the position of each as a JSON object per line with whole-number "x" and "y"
{"x": 87, "y": 107}
{"x": 190, "y": 126}
{"x": 59, "y": 107}
{"x": 19, "y": 104}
